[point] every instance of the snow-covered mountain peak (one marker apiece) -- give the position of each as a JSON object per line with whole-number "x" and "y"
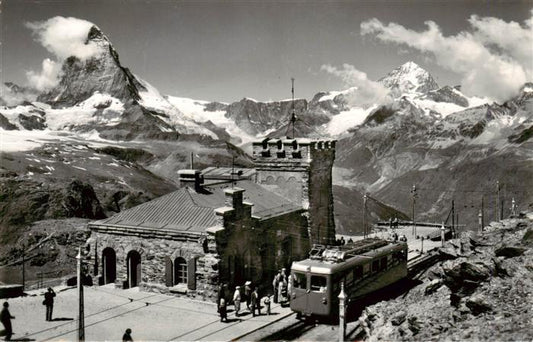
{"x": 409, "y": 78}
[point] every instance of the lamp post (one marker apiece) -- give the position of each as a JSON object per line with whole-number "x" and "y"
{"x": 342, "y": 313}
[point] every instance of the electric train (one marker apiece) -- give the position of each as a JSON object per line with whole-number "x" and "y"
{"x": 364, "y": 266}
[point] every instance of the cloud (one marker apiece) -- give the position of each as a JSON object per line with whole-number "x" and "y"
{"x": 63, "y": 37}
{"x": 494, "y": 58}
{"x": 47, "y": 78}
{"x": 366, "y": 92}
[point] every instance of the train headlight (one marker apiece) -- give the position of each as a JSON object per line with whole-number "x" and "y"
{"x": 324, "y": 300}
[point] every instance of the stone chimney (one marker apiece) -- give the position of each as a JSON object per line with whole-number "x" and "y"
{"x": 233, "y": 197}
{"x": 191, "y": 178}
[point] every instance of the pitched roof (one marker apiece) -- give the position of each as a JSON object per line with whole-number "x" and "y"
{"x": 191, "y": 211}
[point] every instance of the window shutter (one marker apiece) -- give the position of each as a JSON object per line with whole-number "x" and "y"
{"x": 168, "y": 272}
{"x": 191, "y": 273}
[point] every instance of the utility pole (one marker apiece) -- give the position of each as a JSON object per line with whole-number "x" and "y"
{"x": 499, "y": 217}
{"x": 81, "y": 317}
{"x": 482, "y": 212}
{"x": 453, "y": 218}
{"x": 23, "y": 269}
{"x": 480, "y": 219}
{"x": 365, "y": 197}
{"x": 442, "y": 234}
{"x": 413, "y": 200}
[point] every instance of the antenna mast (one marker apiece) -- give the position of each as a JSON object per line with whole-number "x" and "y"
{"x": 293, "y": 116}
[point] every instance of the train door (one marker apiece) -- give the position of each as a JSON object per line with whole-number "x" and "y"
{"x": 318, "y": 298}
{"x": 299, "y": 291}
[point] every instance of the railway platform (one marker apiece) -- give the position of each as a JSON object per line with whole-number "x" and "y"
{"x": 150, "y": 316}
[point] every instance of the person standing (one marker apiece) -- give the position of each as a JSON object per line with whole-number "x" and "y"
{"x": 248, "y": 293}
{"x": 255, "y": 303}
{"x": 127, "y": 336}
{"x": 221, "y": 294}
{"x": 49, "y": 302}
{"x": 282, "y": 296}
{"x": 223, "y": 310}
{"x": 275, "y": 285}
{"x": 5, "y": 318}
{"x": 237, "y": 300}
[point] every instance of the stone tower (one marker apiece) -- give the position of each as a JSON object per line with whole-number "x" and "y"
{"x": 300, "y": 170}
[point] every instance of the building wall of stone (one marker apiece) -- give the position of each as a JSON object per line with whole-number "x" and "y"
{"x": 154, "y": 252}
{"x": 304, "y": 177}
{"x": 253, "y": 249}
{"x": 322, "y": 223}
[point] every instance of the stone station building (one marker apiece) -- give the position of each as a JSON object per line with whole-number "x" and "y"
{"x": 223, "y": 224}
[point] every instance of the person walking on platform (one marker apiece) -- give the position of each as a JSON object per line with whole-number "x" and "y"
{"x": 275, "y": 285}
{"x": 49, "y": 302}
{"x": 255, "y": 303}
{"x": 5, "y": 318}
{"x": 248, "y": 293}
{"x": 237, "y": 300}
{"x": 127, "y": 336}
{"x": 223, "y": 310}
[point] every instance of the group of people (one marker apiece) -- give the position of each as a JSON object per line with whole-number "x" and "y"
{"x": 281, "y": 286}
{"x": 5, "y": 315}
{"x": 249, "y": 295}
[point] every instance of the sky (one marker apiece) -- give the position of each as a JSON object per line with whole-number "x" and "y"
{"x": 225, "y": 51}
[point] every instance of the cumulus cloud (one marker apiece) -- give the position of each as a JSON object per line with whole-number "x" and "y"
{"x": 494, "y": 58}
{"x": 366, "y": 92}
{"x": 47, "y": 78}
{"x": 63, "y": 37}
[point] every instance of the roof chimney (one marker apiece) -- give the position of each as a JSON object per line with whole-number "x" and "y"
{"x": 191, "y": 178}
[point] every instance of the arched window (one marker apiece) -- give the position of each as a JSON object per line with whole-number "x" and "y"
{"x": 180, "y": 271}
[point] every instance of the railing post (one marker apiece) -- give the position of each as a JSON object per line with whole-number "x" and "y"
{"x": 342, "y": 313}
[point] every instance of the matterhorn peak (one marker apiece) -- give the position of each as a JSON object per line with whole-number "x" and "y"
{"x": 99, "y": 71}
{"x": 409, "y": 78}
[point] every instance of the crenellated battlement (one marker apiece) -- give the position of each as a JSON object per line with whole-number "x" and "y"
{"x": 289, "y": 149}
{"x": 300, "y": 170}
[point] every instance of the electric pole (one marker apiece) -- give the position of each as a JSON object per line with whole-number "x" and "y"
{"x": 413, "y": 200}
{"x": 365, "y": 197}
{"x": 499, "y": 217}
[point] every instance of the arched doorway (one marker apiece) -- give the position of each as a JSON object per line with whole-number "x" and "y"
{"x": 133, "y": 261}
{"x": 180, "y": 271}
{"x": 109, "y": 265}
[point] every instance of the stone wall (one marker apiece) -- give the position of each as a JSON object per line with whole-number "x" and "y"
{"x": 301, "y": 171}
{"x": 254, "y": 249}
{"x": 154, "y": 252}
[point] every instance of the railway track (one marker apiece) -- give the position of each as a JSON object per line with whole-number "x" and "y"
{"x": 311, "y": 330}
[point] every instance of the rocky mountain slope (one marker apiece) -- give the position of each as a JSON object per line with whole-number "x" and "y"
{"x": 482, "y": 291}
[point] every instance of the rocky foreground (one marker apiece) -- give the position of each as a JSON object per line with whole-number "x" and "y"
{"x": 483, "y": 290}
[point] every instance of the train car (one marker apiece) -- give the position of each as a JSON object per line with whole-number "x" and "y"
{"x": 364, "y": 266}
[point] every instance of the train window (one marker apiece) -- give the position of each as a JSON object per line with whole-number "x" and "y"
{"x": 299, "y": 280}
{"x": 384, "y": 263}
{"x": 318, "y": 283}
{"x": 358, "y": 272}
{"x": 375, "y": 266}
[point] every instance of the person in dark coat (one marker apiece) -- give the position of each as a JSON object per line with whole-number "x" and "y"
{"x": 255, "y": 303}
{"x": 221, "y": 294}
{"x": 5, "y": 318}
{"x": 127, "y": 336}
{"x": 49, "y": 302}
{"x": 223, "y": 310}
